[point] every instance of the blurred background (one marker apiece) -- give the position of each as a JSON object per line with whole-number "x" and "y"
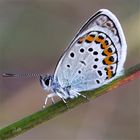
{"x": 33, "y": 35}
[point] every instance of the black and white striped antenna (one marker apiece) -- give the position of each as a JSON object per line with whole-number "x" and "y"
{"x": 22, "y": 75}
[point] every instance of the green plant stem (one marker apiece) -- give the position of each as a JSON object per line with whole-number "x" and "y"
{"x": 58, "y": 108}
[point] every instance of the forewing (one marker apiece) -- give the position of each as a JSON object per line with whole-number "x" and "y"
{"x": 95, "y": 56}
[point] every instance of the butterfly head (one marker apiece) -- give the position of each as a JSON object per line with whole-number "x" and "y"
{"x": 45, "y": 82}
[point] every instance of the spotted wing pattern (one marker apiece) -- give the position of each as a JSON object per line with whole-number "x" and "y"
{"x": 95, "y": 56}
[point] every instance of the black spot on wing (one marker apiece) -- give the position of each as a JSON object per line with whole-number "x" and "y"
{"x": 82, "y": 50}
{"x": 72, "y": 54}
{"x": 83, "y": 62}
{"x": 99, "y": 72}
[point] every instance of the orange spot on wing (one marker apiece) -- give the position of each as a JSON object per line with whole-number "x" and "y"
{"x": 107, "y": 61}
{"x": 109, "y": 73}
{"x": 81, "y": 40}
{"x": 89, "y": 38}
{"x": 99, "y": 40}
{"x": 103, "y": 45}
{"x": 106, "y": 52}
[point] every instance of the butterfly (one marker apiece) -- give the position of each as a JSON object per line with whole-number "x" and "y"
{"x": 94, "y": 58}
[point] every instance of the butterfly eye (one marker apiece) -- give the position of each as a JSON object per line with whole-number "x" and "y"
{"x": 47, "y": 81}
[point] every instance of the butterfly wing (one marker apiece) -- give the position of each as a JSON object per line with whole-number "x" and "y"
{"x": 95, "y": 56}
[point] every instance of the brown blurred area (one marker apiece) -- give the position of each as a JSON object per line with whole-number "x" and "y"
{"x": 33, "y": 35}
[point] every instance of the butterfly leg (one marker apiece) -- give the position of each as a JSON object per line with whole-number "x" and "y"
{"x": 62, "y": 98}
{"x": 83, "y": 96}
{"x": 65, "y": 102}
{"x": 53, "y": 102}
{"x": 49, "y": 96}
{"x": 79, "y": 94}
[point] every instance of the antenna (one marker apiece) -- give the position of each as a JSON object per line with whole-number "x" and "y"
{"x": 23, "y": 75}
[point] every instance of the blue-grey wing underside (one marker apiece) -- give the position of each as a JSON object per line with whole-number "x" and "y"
{"x": 94, "y": 57}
